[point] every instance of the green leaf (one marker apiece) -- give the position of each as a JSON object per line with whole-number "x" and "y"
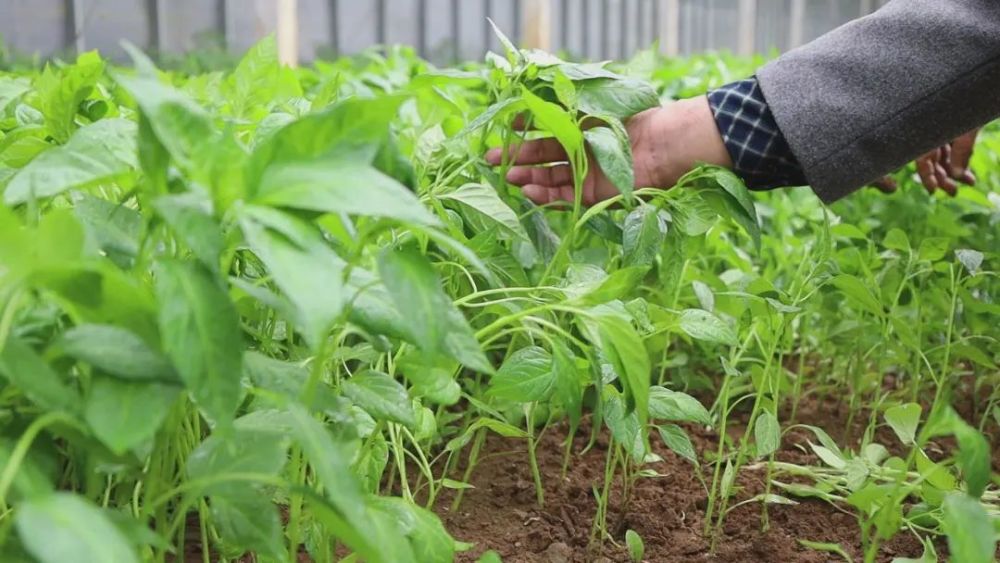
{"x": 971, "y": 536}
{"x": 705, "y": 296}
{"x": 61, "y": 91}
{"x": 827, "y": 548}
{"x": 432, "y": 321}
{"x": 727, "y": 195}
{"x": 613, "y": 156}
{"x": 428, "y": 538}
{"x": 100, "y": 153}
{"x": 703, "y": 325}
{"x": 190, "y": 218}
{"x": 526, "y": 376}
{"x": 858, "y": 293}
{"x": 305, "y": 269}
{"x": 636, "y": 549}
{"x": 116, "y": 351}
{"x": 340, "y": 185}
{"x": 484, "y": 201}
{"x": 971, "y": 259}
{"x": 26, "y": 370}
{"x": 767, "y": 434}
{"x": 30, "y": 479}
{"x": 568, "y": 389}
{"x": 489, "y": 556}
{"x": 354, "y": 126}
{"x": 65, "y": 527}
{"x": 626, "y": 352}
{"x": 624, "y": 425}
{"x": 903, "y": 419}
{"x": 248, "y": 522}
{"x": 242, "y": 451}
{"x": 347, "y": 507}
{"x": 11, "y": 89}
{"x": 115, "y": 228}
{"x": 643, "y": 233}
{"x": 665, "y": 404}
{"x": 556, "y": 120}
{"x": 381, "y": 396}
{"x": 201, "y": 335}
{"x": 933, "y": 248}
{"x": 125, "y": 414}
{"x": 678, "y": 441}
{"x": 513, "y": 53}
{"x": 973, "y": 458}
{"x": 179, "y": 126}
{"x": 260, "y": 81}
{"x": 896, "y": 239}
{"x": 615, "y": 97}
{"x": 431, "y": 377}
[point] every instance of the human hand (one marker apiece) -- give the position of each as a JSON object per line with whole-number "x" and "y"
{"x": 666, "y": 142}
{"x": 942, "y": 167}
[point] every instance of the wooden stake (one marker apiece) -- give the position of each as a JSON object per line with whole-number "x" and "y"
{"x": 537, "y": 17}
{"x": 288, "y": 32}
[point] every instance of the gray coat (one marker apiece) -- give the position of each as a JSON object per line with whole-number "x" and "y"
{"x": 866, "y": 98}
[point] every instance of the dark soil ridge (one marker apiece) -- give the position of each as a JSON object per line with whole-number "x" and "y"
{"x": 667, "y": 512}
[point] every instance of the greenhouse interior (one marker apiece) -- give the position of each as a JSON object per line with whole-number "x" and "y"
{"x": 544, "y": 281}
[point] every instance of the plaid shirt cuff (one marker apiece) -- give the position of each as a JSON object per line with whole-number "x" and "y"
{"x": 760, "y": 154}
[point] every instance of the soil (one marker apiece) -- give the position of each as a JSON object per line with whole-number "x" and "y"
{"x": 501, "y": 513}
{"x": 667, "y": 512}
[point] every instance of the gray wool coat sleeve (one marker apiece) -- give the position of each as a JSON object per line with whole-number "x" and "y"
{"x": 868, "y": 97}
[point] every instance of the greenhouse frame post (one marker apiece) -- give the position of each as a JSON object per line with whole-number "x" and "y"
{"x": 748, "y": 26}
{"x": 796, "y": 24}
{"x": 537, "y": 17}
{"x": 669, "y": 27}
{"x": 288, "y": 32}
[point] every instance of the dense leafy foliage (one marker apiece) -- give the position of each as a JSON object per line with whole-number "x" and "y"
{"x": 285, "y": 303}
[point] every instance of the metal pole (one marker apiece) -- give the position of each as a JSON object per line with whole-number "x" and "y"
{"x": 153, "y": 22}
{"x": 487, "y": 29}
{"x": 422, "y": 27}
{"x": 604, "y": 30}
{"x": 454, "y": 30}
{"x": 75, "y": 19}
{"x": 748, "y": 26}
{"x": 585, "y": 29}
{"x": 380, "y": 22}
{"x": 517, "y": 22}
{"x": 866, "y": 7}
{"x": 623, "y": 29}
{"x": 654, "y": 23}
{"x": 797, "y": 17}
{"x": 564, "y": 24}
{"x": 335, "y": 26}
{"x": 669, "y": 23}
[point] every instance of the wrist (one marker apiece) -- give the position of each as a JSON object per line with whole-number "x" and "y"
{"x": 686, "y": 135}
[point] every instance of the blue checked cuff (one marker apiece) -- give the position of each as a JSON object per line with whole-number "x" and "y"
{"x": 760, "y": 154}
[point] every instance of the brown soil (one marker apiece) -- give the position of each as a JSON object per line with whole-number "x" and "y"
{"x": 667, "y": 512}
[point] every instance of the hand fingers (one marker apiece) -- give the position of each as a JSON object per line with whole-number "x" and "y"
{"x": 545, "y": 195}
{"x": 538, "y": 151}
{"x": 925, "y": 168}
{"x": 551, "y": 176}
{"x": 961, "y": 153}
{"x": 885, "y": 184}
{"x": 943, "y": 180}
{"x": 522, "y": 122}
